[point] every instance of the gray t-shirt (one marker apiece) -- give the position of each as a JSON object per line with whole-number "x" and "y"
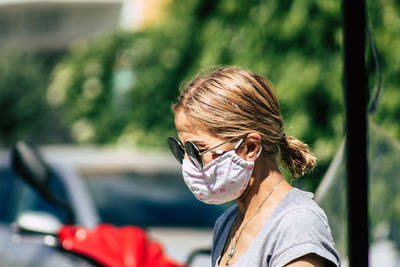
{"x": 297, "y": 227}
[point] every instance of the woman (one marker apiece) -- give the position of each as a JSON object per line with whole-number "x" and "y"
{"x": 231, "y": 135}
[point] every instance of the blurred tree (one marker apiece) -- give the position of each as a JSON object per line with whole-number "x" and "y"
{"x": 25, "y": 113}
{"x": 118, "y": 89}
{"x": 385, "y": 22}
{"x": 21, "y": 95}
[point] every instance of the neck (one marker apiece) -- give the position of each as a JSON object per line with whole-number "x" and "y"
{"x": 265, "y": 176}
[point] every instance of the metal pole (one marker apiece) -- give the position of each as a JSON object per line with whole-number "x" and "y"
{"x": 356, "y": 125}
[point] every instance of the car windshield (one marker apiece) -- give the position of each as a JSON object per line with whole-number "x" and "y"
{"x": 384, "y": 199}
{"x": 149, "y": 199}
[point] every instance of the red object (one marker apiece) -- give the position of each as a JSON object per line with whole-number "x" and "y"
{"x": 115, "y": 247}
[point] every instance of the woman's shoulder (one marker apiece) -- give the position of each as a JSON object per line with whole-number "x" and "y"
{"x": 298, "y": 202}
{"x": 301, "y": 227}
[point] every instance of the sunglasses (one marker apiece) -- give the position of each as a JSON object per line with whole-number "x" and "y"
{"x": 195, "y": 155}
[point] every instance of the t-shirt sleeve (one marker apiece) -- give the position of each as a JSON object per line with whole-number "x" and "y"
{"x": 300, "y": 232}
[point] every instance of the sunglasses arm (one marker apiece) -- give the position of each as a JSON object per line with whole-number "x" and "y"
{"x": 217, "y": 151}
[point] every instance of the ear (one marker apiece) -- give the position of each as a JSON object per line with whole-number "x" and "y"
{"x": 252, "y": 147}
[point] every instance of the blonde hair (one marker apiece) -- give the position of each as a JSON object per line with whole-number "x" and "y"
{"x": 232, "y": 102}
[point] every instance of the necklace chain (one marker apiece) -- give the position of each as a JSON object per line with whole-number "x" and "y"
{"x": 236, "y": 238}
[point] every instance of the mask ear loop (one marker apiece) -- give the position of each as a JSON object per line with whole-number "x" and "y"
{"x": 241, "y": 141}
{"x": 259, "y": 152}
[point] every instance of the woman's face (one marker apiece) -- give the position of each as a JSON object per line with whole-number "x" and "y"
{"x": 188, "y": 130}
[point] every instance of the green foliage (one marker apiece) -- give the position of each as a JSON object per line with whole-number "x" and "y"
{"x": 119, "y": 88}
{"x": 22, "y": 87}
{"x": 385, "y": 21}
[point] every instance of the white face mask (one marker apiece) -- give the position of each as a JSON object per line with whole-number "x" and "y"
{"x": 222, "y": 180}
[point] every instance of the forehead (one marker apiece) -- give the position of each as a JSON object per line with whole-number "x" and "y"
{"x": 190, "y": 130}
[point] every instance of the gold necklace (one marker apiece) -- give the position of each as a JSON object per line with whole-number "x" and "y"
{"x": 236, "y": 239}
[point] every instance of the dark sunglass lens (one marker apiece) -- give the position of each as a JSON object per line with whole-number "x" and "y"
{"x": 194, "y": 154}
{"x": 176, "y": 148}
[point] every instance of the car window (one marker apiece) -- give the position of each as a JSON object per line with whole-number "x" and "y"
{"x": 156, "y": 199}
{"x": 7, "y": 179}
{"x": 384, "y": 199}
{"x": 26, "y": 198}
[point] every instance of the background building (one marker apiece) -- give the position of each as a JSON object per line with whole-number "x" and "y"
{"x": 54, "y": 24}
